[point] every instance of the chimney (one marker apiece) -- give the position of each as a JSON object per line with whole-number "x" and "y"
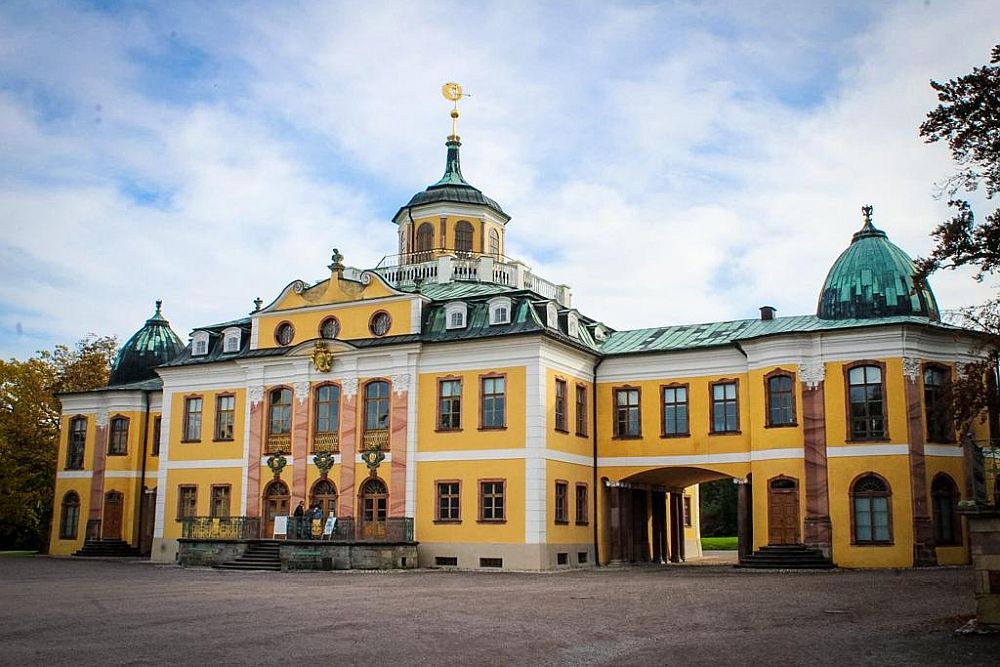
{"x": 767, "y": 313}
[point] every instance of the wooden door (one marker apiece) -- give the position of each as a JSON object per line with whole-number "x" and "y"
{"x": 111, "y": 523}
{"x": 374, "y": 502}
{"x": 276, "y": 500}
{"x": 783, "y": 511}
{"x": 148, "y": 520}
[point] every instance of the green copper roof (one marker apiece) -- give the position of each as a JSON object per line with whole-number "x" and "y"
{"x": 873, "y": 278}
{"x": 153, "y": 345}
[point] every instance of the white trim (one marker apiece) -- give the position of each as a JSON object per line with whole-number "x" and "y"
{"x": 954, "y": 451}
{"x": 681, "y": 363}
{"x": 122, "y": 474}
{"x": 841, "y": 451}
{"x": 202, "y": 464}
{"x": 416, "y": 316}
{"x": 161, "y": 474}
{"x": 74, "y": 474}
{"x": 701, "y": 459}
{"x": 536, "y": 433}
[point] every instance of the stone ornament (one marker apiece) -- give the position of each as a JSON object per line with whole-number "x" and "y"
{"x": 349, "y": 385}
{"x": 277, "y": 463}
{"x": 812, "y": 373}
{"x": 401, "y": 382}
{"x": 255, "y": 394}
{"x": 324, "y": 462}
{"x": 102, "y": 419}
{"x": 911, "y": 368}
{"x": 322, "y": 358}
{"x": 301, "y": 391}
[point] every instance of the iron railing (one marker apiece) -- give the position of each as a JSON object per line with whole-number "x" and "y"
{"x": 278, "y": 444}
{"x": 220, "y": 528}
{"x": 376, "y": 438}
{"x": 326, "y": 442}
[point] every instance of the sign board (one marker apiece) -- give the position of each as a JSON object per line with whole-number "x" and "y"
{"x": 331, "y": 525}
{"x": 281, "y": 526}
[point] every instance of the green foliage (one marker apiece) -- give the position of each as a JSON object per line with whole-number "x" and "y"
{"x": 717, "y": 505}
{"x": 29, "y": 431}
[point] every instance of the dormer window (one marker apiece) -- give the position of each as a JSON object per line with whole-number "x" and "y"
{"x": 499, "y": 310}
{"x": 199, "y": 344}
{"x": 455, "y": 315}
{"x": 552, "y": 316}
{"x": 231, "y": 340}
{"x": 573, "y": 325}
{"x": 600, "y": 334}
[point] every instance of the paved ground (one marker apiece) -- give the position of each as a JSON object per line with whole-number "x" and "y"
{"x": 61, "y": 612}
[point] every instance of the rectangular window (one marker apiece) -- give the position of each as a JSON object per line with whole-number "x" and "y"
{"x": 449, "y": 405}
{"x": 220, "y": 501}
{"x": 627, "y": 423}
{"x": 118, "y": 438}
{"x": 493, "y": 402}
{"x": 192, "y": 419}
{"x": 562, "y": 502}
{"x": 448, "y": 501}
{"x": 725, "y": 415}
{"x": 225, "y": 417}
{"x": 328, "y": 409}
{"x": 687, "y": 511}
{"x": 157, "y": 426}
{"x": 77, "y": 441}
{"x": 187, "y": 501}
{"x": 675, "y": 411}
{"x": 865, "y": 392}
{"x": 581, "y": 504}
{"x": 491, "y": 500}
{"x": 779, "y": 388}
{"x": 581, "y": 410}
{"x": 561, "y": 405}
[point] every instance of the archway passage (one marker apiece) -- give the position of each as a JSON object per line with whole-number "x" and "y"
{"x": 783, "y": 511}
{"x": 276, "y": 499}
{"x": 111, "y": 523}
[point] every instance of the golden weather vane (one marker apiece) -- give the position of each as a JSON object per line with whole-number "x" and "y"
{"x": 453, "y": 93}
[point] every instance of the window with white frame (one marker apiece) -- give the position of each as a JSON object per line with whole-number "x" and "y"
{"x": 455, "y": 314}
{"x": 499, "y": 310}
{"x": 552, "y": 316}
{"x": 573, "y": 325}
{"x": 600, "y": 333}
{"x": 199, "y": 343}
{"x": 231, "y": 340}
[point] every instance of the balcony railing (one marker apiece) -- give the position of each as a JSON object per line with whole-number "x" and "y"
{"x": 278, "y": 443}
{"x": 347, "y": 529}
{"x": 326, "y": 442}
{"x": 220, "y": 528}
{"x": 375, "y": 439}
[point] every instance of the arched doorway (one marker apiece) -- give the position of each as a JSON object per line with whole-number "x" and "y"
{"x": 324, "y": 494}
{"x": 783, "y": 511}
{"x": 111, "y": 523}
{"x": 276, "y": 499}
{"x": 374, "y": 502}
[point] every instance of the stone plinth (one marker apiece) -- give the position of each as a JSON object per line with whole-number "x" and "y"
{"x": 984, "y": 541}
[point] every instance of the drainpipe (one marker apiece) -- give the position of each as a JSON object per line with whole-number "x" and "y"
{"x": 593, "y": 430}
{"x": 142, "y": 475}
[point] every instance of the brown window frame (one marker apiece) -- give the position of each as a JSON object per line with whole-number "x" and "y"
{"x": 712, "y": 407}
{"x": 438, "y": 496}
{"x": 852, "y": 494}
{"x": 371, "y": 323}
{"x": 460, "y": 233}
{"x": 322, "y": 325}
{"x": 482, "y": 401}
{"x": 279, "y": 390}
{"x": 955, "y": 521}
{"x": 229, "y": 501}
{"x": 118, "y": 438}
{"x": 187, "y": 412}
{"x": 687, "y": 409}
{"x": 439, "y": 423}
{"x": 885, "y": 400}
{"x": 560, "y": 503}
{"x": 71, "y": 443}
{"x": 503, "y": 496}
{"x": 157, "y": 432}
{"x": 768, "y": 422}
{"x": 278, "y": 328}
{"x": 559, "y": 407}
{"x": 216, "y": 437}
{"x": 424, "y": 238}
{"x": 939, "y": 433}
{"x": 582, "y": 508}
{"x": 581, "y": 410}
{"x": 615, "y": 421}
{"x": 69, "y": 530}
{"x": 181, "y": 488}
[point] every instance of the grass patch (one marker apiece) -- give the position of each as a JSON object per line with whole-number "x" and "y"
{"x": 719, "y": 543}
{"x": 16, "y": 554}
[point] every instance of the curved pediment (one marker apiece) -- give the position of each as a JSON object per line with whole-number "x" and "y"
{"x": 335, "y": 290}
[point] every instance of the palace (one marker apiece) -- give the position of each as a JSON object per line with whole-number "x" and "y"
{"x": 453, "y": 400}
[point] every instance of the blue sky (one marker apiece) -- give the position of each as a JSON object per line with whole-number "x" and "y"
{"x": 672, "y": 162}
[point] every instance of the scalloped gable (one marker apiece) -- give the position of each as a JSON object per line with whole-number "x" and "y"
{"x": 336, "y": 289}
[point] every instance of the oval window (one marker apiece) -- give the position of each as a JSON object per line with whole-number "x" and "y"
{"x": 329, "y": 328}
{"x": 284, "y": 333}
{"x": 380, "y": 323}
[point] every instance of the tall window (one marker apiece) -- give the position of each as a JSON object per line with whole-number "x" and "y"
{"x": 187, "y": 501}
{"x": 157, "y": 430}
{"x": 374, "y": 498}
{"x": 865, "y": 395}
{"x": 944, "y": 497}
{"x": 327, "y": 409}
{"x": 675, "y": 410}
{"x": 76, "y": 444}
{"x": 463, "y": 236}
{"x": 225, "y": 416}
{"x": 69, "y": 517}
{"x": 871, "y": 510}
{"x": 937, "y": 390}
{"x": 495, "y": 243}
{"x": 725, "y": 409}
{"x": 493, "y": 402}
{"x": 780, "y": 400}
{"x": 448, "y": 499}
{"x": 192, "y": 419}
{"x": 425, "y": 238}
{"x": 280, "y": 421}
{"x": 562, "y": 502}
{"x": 561, "y": 405}
{"x": 376, "y": 405}
{"x": 118, "y": 438}
{"x": 221, "y": 494}
{"x": 627, "y": 422}
{"x": 582, "y": 508}
{"x": 581, "y": 410}
{"x": 491, "y": 500}
{"x": 449, "y": 405}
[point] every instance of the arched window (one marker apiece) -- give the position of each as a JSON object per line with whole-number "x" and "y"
{"x": 281, "y": 412}
{"x": 495, "y": 243}
{"x": 871, "y": 515}
{"x": 324, "y": 494}
{"x": 374, "y": 502}
{"x": 866, "y": 396}
{"x": 69, "y": 518}
{"x": 327, "y": 409}
{"x": 77, "y": 440}
{"x": 463, "y": 236}
{"x": 377, "y": 405}
{"x": 425, "y": 239}
{"x": 937, "y": 390}
{"x": 118, "y": 438}
{"x": 780, "y": 399}
{"x": 944, "y": 497}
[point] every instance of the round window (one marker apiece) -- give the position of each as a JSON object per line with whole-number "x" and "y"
{"x": 284, "y": 333}
{"x": 329, "y": 328}
{"x": 380, "y": 323}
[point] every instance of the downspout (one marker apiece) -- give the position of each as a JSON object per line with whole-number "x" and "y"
{"x": 142, "y": 474}
{"x": 593, "y": 430}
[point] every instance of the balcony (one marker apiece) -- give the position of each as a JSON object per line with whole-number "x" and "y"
{"x": 377, "y": 438}
{"x": 445, "y": 266}
{"x": 326, "y": 442}
{"x": 278, "y": 443}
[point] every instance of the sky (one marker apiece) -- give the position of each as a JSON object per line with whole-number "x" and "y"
{"x": 672, "y": 162}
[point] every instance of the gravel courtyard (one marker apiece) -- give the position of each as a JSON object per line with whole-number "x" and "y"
{"x": 75, "y": 612}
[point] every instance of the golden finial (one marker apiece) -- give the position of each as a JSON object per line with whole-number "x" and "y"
{"x": 453, "y": 93}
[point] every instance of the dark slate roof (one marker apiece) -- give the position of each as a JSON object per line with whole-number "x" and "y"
{"x": 215, "y": 345}
{"x": 151, "y": 346}
{"x": 873, "y": 278}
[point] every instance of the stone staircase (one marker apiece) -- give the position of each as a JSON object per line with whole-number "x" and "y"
{"x": 258, "y": 556}
{"x": 107, "y": 549}
{"x": 787, "y": 557}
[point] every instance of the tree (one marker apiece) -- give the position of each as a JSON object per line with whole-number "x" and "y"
{"x": 717, "y": 508}
{"x": 968, "y": 119}
{"x": 29, "y": 431}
